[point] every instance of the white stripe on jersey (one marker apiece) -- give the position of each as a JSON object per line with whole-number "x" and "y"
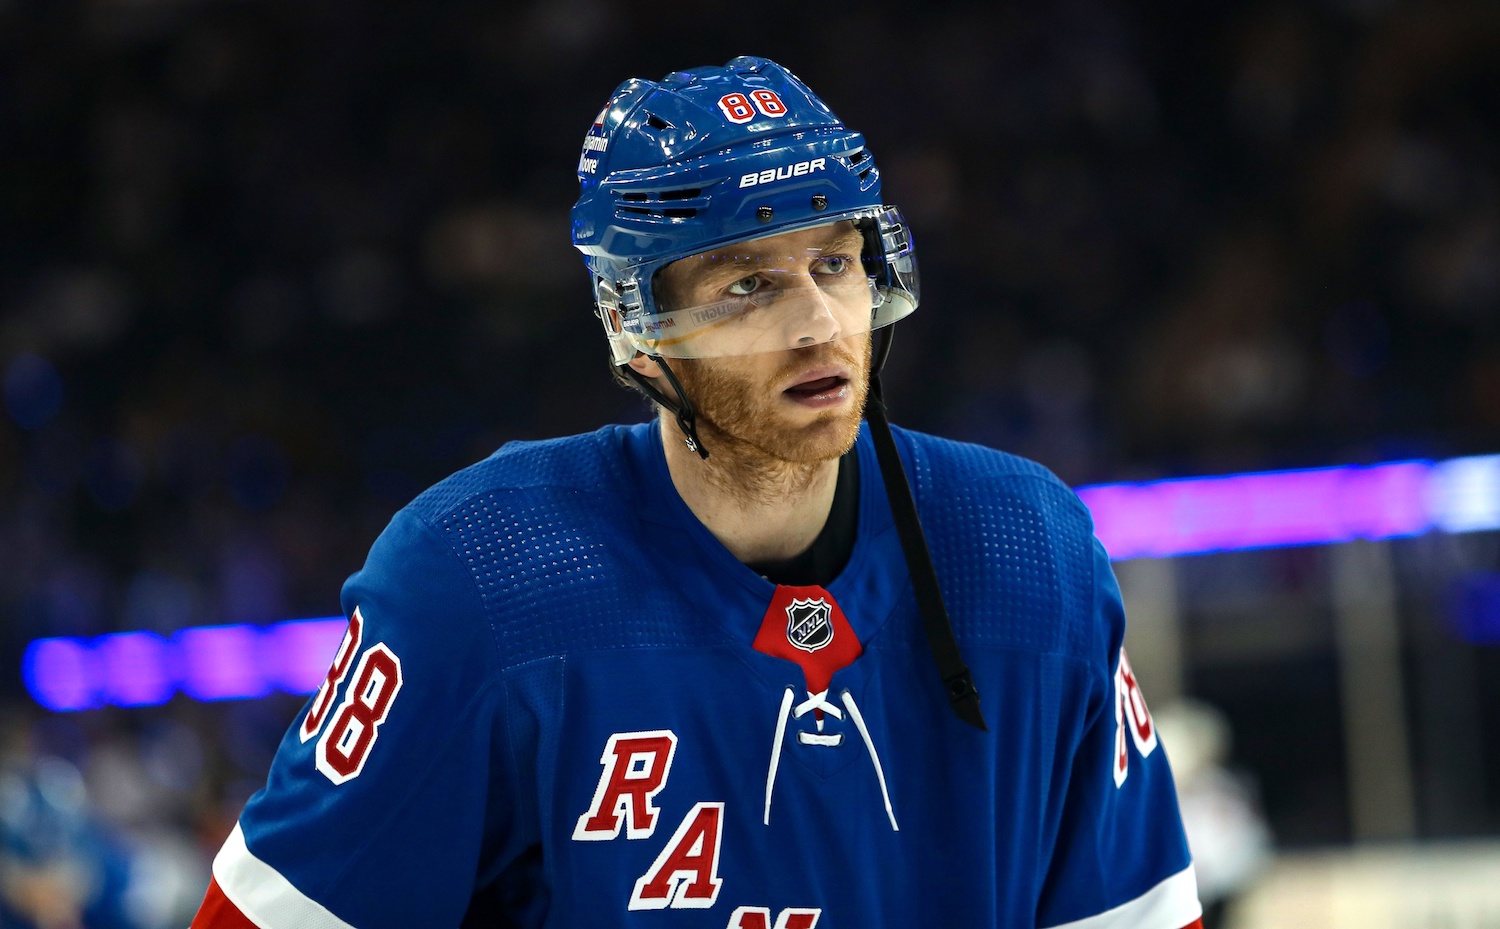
{"x": 1172, "y": 904}
{"x": 263, "y": 895}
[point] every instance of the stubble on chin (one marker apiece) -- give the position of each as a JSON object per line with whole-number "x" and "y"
{"x": 758, "y": 448}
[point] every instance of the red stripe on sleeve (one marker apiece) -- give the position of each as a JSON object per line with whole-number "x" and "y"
{"x": 218, "y": 913}
{"x": 1195, "y": 924}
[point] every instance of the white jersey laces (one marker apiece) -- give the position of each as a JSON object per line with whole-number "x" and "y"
{"x": 819, "y": 701}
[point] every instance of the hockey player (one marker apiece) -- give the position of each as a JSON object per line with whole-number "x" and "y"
{"x": 707, "y": 672}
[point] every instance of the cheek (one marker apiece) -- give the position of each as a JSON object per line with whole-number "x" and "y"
{"x": 736, "y": 392}
{"x": 714, "y": 381}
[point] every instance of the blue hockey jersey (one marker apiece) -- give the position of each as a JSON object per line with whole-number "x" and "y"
{"x": 551, "y": 684}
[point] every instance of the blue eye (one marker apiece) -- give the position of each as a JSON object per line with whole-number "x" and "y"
{"x": 836, "y": 264}
{"x": 745, "y": 286}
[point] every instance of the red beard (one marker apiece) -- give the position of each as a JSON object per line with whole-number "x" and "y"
{"x": 742, "y": 412}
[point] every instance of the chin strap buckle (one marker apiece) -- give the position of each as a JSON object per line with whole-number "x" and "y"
{"x": 682, "y": 408}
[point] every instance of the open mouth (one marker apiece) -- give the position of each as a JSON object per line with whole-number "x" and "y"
{"x": 823, "y": 388}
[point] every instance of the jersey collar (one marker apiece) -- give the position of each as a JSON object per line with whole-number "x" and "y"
{"x": 868, "y": 588}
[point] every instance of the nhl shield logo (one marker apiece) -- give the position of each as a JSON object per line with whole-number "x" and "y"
{"x": 807, "y": 624}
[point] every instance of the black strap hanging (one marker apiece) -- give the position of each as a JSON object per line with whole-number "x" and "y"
{"x": 682, "y": 407}
{"x": 957, "y": 681}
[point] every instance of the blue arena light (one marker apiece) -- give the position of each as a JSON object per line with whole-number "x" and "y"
{"x": 134, "y": 669}
{"x": 59, "y": 674}
{"x": 1464, "y": 494}
{"x": 1150, "y": 519}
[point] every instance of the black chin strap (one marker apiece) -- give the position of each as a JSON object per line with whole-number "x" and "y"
{"x": 681, "y": 407}
{"x": 957, "y": 681}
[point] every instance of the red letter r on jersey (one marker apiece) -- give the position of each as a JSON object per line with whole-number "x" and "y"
{"x": 636, "y": 765}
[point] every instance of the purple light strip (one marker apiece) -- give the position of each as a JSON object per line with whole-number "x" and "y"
{"x": 1246, "y": 511}
{"x": 1153, "y": 519}
{"x": 205, "y": 663}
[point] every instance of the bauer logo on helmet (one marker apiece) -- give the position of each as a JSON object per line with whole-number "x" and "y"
{"x": 771, "y": 175}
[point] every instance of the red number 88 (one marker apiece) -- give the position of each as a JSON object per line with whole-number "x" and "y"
{"x": 738, "y": 109}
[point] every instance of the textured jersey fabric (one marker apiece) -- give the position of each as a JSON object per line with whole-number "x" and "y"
{"x": 550, "y": 689}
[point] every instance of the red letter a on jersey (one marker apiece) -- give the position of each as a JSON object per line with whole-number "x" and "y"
{"x": 686, "y": 873}
{"x": 636, "y": 765}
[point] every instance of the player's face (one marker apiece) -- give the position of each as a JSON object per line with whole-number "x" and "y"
{"x": 805, "y": 307}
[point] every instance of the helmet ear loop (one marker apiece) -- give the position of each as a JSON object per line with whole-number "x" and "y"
{"x": 681, "y": 408}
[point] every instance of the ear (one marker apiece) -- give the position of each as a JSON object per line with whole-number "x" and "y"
{"x": 645, "y": 365}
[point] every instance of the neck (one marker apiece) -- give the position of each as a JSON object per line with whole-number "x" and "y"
{"x": 761, "y": 508}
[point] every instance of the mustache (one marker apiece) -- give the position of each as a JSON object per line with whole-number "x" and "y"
{"x": 791, "y": 361}
{"x": 822, "y": 353}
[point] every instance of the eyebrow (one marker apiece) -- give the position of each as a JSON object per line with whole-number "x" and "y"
{"x": 716, "y": 265}
{"x": 716, "y": 268}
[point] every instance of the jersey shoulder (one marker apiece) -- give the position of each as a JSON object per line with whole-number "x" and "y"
{"x": 1013, "y": 545}
{"x": 946, "y": 461}
{"x": 587, "y": 463}
{"x": 549, "y": 536}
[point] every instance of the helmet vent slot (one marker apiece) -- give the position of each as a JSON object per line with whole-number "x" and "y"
{"x": 663, "y": 204}
{"x": 656, "y": 122}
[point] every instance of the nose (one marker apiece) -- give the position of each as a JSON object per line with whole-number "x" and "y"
{"x": 810, "y": 317}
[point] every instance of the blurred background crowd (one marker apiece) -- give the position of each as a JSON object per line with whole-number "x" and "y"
{"x": 270, "y": 268}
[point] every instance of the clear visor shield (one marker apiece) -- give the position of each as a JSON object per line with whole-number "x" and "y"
{"x": 791, "y": 290}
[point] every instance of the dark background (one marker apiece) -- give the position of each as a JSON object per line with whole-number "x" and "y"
{"x": 267, "y": 269}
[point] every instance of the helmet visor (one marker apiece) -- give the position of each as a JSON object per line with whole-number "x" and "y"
{"x": 789, "y": 290}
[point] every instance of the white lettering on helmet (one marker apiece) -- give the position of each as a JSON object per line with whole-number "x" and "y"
{"x": 595, "y": 143}
{"x": 780, "y": 174}
{"x": 588, "y": 165}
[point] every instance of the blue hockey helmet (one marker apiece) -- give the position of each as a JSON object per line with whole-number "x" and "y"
{"x": 714, "y": 156}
